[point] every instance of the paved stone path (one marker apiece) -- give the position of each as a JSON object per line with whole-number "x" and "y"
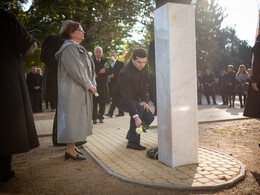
{"x": 107, "y": 146}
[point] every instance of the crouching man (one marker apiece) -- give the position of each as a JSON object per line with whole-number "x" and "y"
{"x": 132, "y": 88}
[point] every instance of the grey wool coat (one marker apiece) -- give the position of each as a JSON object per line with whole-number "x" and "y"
{"x": 76, "y": 75}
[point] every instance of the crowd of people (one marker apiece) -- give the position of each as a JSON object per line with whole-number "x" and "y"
{"x": 229, "y": 84}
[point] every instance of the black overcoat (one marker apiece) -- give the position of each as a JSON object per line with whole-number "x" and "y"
{"x": 252, "y": 108}
{"x": 34, "y": 80}
{"x": 208, "y": 79}
{"x": 132, "y": 85}
{"x": 50, "y": 46}
{"x": 230, "y": 77}
{"x": 17, "y": 132}
{"x": 102, "y": 81}
{"x": 115, "y": 70}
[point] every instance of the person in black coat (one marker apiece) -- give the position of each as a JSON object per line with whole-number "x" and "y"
{"x": 152, "y": 76}
{"x": 252, "y": 108}
{"x": 17, "y": 132}
{"x": 34, "y": 82}
{"x": 50, "y": 46}
{"x": 208, "y": 82}
{"x": 230, "y": 78}
{"x": 102, "y": 73}
{"x": 115, "y": 68}
{"x": 222, "y": 87}
{"x": 132, "y": 89}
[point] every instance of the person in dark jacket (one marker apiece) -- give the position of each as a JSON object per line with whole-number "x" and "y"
{"x": 199, "y": 87}
{"x": 208, "y": 82}
{"x": 115, "y": 67}
{"x": 222, "y": 86}
{"x": 152, "y": 75}
{"x": 17, "y": 132}
{"x": 132, "y": 88}
{"x": 34, "y": 83}
{"x": 230, "y": 84}
{"x": 102, "y": 73}
{"x": 50, "y": 46}
{"x": 252, "y": 108}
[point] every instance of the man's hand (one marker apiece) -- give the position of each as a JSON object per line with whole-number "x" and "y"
{"x": 138, "y": 121}
{"x": 254, "y": 85}
{"x": 112, "y": 76}
{"x": 103, "y": 70}
{"x": 36, "y": 88}
{"x": 146, "y": 107}
{"x": 93, "y": 89}
{"x": 229, "y": 84}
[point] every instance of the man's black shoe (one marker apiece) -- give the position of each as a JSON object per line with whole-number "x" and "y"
{"x": 135, "y": 146}
{"x": 94, "y": 121}
{"x": 120, "y": 114}
{"x": 8, "y": 176}
{"x": 109, "y": 115}
{"x": 81, "y": 143}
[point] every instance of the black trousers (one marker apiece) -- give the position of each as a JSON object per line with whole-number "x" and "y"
{"x": 98, "y": 113}
{"x": 145, "y": 116}
{"x": 5, "y": 165}
{"x": 35, "y": 101}
{"x": 114, "y": 105}
{"x": 55, "y": 129}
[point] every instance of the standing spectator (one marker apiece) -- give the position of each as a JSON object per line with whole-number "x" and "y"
{"x": 39, "y": 71}
{"x": 18, "y": 133}
{"x": 132, "y": 88}
{"x": 242, "y": 78}
{"x": 222, "y": 87}
{"x": 50, "y": 46}
{"x": 102, "y": 85}
{"x": 76, "y": 83}
{"x": 199, "y": 87}
{"x": 115, "y": 68}
{"x": 152, "y": 76}
{"x": 208, "y": 86}
{"x": 34, "y": 86}
{"x": 230, "y": 84}
{"x": 252, "y": 108}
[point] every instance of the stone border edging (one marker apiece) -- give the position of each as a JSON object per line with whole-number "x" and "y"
{"x": 231, "y": 182}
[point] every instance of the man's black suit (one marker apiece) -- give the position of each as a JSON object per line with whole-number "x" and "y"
{"x": 34, "y": 80}
{"x": 102, "y": 89}
{"x": 132, "y": 88}
{"x": 50, "y": 46}
{"x": 115, "y": 71}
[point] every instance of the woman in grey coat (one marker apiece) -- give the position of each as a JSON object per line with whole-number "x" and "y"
{"x": 76, "y": 84}
{"x": 242, "y": 78}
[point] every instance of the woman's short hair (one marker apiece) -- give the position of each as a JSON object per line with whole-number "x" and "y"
{"x": 68, "y": 28}
{"x": 141, "y": 53}
{"x": 230, "y": 66}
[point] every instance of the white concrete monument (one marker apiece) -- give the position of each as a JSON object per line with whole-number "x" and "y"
{"x": 176, "y": 82}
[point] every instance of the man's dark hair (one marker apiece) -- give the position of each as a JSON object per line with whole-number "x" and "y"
{"x": 141, "y": 53}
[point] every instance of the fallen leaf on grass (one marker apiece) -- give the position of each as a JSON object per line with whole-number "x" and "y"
{"x": 235, "y": 141}
{"x": 118, "y": 128}
{"x": 230, "y": 154}
{"x": 79, "y": 169}
{"x": 52, "y": 157}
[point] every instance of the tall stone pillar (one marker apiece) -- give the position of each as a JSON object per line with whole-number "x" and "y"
{"x": 176, "y": 82}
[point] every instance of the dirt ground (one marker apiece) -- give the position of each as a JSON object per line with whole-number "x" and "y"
{"x": 44, "y": 170}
